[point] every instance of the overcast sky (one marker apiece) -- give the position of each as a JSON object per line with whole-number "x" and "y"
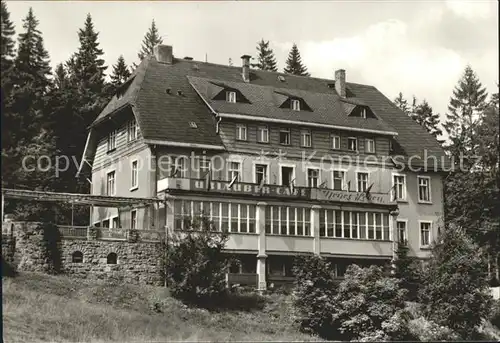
{"x": 418, "y": 47}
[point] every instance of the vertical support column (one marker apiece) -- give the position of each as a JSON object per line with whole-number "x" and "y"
{"x": 393, "y": 227}
{"x": 169, "y": 214}
{"x": 315, "y": 223}
{"x": 260, "y": 219}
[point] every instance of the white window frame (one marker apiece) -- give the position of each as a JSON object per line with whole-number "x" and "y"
{"x": 111, "y": 221}
{"x": 111, "y": 143}
{"x": 344, "y": 178}
{"x": 132, "y": 129}
{"x": 428, "y": 178}
{"x": 394, "y": 190}
{"x": 286, "y": 130}
{"x": 363, "y": 112}
{"x": 229, "y": 170}
{"x": 348, "y": 145}
{"x": 367, "y": 140}
{"x": 255, "y": 163}
{"x": 303, "y": 134}
{"x": 420, "y": 222}
{"x": 206, "y": 166}
{"x": 240, "y": 128}
{"x": 135, "y": 185}
{"x": 260, "y": 131}
{"x": 182, "y": 166}
{"x": 307, "y": 176}
{"x": 231, "y": 96}
{"x": 367, "y": 179}
{"x": 334, "y": 137}
{"x": 113, "y": 191}
{"x": 134, "y": 223}
{"x": 280, "y": 176}
{"x": 295, "y": 104}
{"x": 402, "y": 220}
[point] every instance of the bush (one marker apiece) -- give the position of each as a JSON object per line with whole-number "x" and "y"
{"x": 314, "y": 288}
{"x": 195, "y": 264}
{"x": 370, "y": 306}
{"x": 495, "y": 314}
{"x": 425, "y": 331}
{"x": 409, "y": 270}
{"x": 456, "y": 292}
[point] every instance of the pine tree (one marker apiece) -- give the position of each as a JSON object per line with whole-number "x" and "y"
{"x": 151, "y": 39}
{"x": 120, "y": 72}
{"x": 464, "y": 114}
{"x": 7, "y": 42}
{"x": 402, "y": 103}
{"x": 294, "y": 63}
{"x": 266, "y": 59}
{"x": 424, "y": 116}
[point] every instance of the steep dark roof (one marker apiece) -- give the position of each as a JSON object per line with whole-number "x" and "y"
{"x": 166, "y": 117}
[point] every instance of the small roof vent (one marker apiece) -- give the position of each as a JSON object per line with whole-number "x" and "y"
{"x": 193, "y": 125}
{"x": 331, "y": 85}
{"x": 168, "y": 90}
{"x": 188, "y": 58}
{"x": 179, "y": 92}
{"x": 281, "y": 78}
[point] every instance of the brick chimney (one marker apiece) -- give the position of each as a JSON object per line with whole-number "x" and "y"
{"x": 245, "y": 67}
{"x": 163, "y": 53}
{"x": 340, "y": 82}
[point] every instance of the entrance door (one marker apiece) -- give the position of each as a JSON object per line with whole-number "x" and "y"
{"x": 286, "y": 175}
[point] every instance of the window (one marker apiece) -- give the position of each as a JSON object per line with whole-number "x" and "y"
{"x": 234, "y": 171}
{"x": 114, "y": 222}
{"x": 180, "y": 169}
{"x": 261, "y": 173}
{"x": 287, "y": 175}
{"x": 263, "y": 134}
{"x": 399, "y": 185}
{"x": 231, "y": 96}
{"x": 112, "y": 140}
{"x": 105, "y": 223}
{"x": 352, "y": 144}
{"x": 312, "y": 178}
{"x": 338, "y": 180}
{"x": 336, "y": 142}
{"x": 424, "y": 189}
{"x": 134, "y": 175}
{"x": 77, "y": 257}
{"x": 370, "y": 146}
{"x": 285, "y": 136}
{"x": 425, "y": 234}
{"x": 401, "y": 228}
{"x": 285, "y": 220}
{"x": 131, "y": 130}
{"x": 203, "y": 167}
{"x": 295, "y": 104}
{"x": 362, "y": 182}
{"x": 133, "y": 220}
{"x": 112, "y": 258}
{"x": 363, "y": 112}
{"x": 241, "y": 132}
{"x": 305, "y": 138}
{"x": 110, "y": 184}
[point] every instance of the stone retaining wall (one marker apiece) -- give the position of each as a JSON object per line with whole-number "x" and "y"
{"x": 37, "y": 247}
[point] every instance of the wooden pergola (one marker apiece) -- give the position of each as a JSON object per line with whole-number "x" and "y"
{"x": 80, "y": 200}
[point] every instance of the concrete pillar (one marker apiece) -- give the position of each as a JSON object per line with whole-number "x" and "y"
{"x": 315, "y": 223}
{"x": 394, "y": 236}
{"x": 260, "y": 219}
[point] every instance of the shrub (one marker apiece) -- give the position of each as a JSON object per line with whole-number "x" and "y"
{"x": 195, "y": 264}
{"x": 409, "y": 270}
{"x": 370, "y": 306}
{"x": 314, "y": 289}
{"x": 425, "y": 331}
{"x": 495, "y": 314}
{"x": 456, "y": 292}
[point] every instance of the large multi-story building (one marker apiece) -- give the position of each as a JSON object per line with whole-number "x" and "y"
{"x": 288, "y": 165}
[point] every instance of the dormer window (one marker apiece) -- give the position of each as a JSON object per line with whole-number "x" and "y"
{"x": 231, "y": 96}
{"x": 295, "y": 104}
{"x": 363, "y": 113}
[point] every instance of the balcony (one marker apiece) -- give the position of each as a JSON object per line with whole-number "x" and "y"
{"x": 272, "y": 191}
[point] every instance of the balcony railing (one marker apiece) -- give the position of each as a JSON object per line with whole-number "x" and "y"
{"x": 273, "y": 191}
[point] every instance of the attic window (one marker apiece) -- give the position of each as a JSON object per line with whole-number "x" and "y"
{"x": 295, "y": 104}
{"x": 363, "y": 112}
{"x": 193, "y": 125}
{"x": 281, "y": 78}
{"x": 231, "y": 96}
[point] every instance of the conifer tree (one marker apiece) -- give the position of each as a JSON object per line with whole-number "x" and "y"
{"x": 151, "y": 39}
{"x": 465, "y": 111}
{"x": 120, "y": 72}
{"x": 265, "y": 58}
{"x": 424, "y": 116}
{"x": 402, "y": 103}
{"x": 7, "y": 40}
{"x": 294, "y": 63}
